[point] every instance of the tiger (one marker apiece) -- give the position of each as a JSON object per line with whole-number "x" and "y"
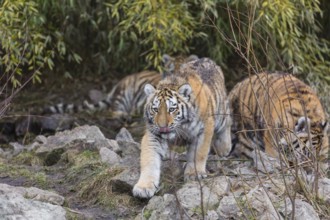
{"x": 127, "y": 97}
{"x": 189, "y": 107}
{"x": 280, "y": 115}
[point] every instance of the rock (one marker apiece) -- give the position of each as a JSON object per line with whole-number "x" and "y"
{"x": 257, "y": 204}
{"x": 262, "y": 203}
{"x": 265, "y": 163}
{"x": 165, "y": 207}
{"x": 63, "y": 139}
{"x": 17, "y": 148}
{"x": 30, "y": 203}
{"x": 303, "y": 210}
{"x": 95, "y": 95}
{"x": 34, "y": 194}
{"x": 108, "y": 156}
{"x": 130, "y": 152}
{"x": 324, "y": 189}
{"x": 190, "y": 196}
{"x": 124, "y": 135}
{"x": 125, "y": 181}
{"x": 113, "y": 145}
{"x": 219, "y": 185}
{"x": 228, "y": 208}
{"x": 11, "y": 150}
{"x": 212, "y": 215}
{"x": 15, "y": 206}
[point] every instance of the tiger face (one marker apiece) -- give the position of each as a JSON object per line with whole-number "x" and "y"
{"x": 167, "y": 110}
{"x": 306, "y": 143}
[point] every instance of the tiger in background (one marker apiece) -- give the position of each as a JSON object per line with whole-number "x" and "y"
{"x": 127, "y": 97}
{"x": 279, "y": 114}
{"x": 189, "y": 107}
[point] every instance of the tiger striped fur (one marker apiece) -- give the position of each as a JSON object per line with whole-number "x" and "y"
{"x": 127, "y": 97}
{"x": 281, "y": 115}
{"x": 188, "y": 107}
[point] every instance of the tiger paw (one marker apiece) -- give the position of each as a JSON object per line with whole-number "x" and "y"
{"x": 144, "y": 190}
{"x": 192, "y": 173}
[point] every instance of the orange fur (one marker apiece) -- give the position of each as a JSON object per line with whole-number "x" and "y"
{"x": 191, "y": 107}
{"x": 271, "y": 109}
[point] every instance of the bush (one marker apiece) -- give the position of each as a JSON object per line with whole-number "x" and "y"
{"x": 130, "y": 35}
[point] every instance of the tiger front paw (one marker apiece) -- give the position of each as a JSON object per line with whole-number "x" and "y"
{"x": 145, "y": 190}
{"x": 193, "y": 173}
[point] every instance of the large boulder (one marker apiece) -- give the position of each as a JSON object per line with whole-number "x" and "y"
{"x": 20, "y": 203}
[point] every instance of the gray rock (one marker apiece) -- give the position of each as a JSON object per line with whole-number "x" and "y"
{"x": 212, "y": 215}
{"x": 63, "y": 139}
{"x": 303, "y": 210}
{"x": 257, "y": 204}
{"x": 324, "y": 189}
{"x": 262, "y": 203}
{"x": 165, "y": 207}
{"x": 219, "y": 185}
{"x": 17, "y": 148}
{"x": 229, "y": 209}
{"x": 265, "y": 163}
{"x": 11, "y": 150}
{"x": 124, "y": 135}
{"x": 190, "y": 196}
{"x": 15, "y": 206}
{"x": 125, "y": 181}
{"x": 95, "y": 95}
{"x": 29, "y": 203}
{"x": 33, "y": 193}
{"x": 108, "y": 156}
{"x": 113, "y": 145}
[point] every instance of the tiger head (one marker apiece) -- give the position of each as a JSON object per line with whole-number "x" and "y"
{"x": 167, "y": 109}
{"x": 306, "y": 141}
{"x": 173, "y": 64}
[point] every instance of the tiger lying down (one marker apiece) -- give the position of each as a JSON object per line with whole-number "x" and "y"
{"x": 189, "y": 106}
{"x": 282, "y": 116}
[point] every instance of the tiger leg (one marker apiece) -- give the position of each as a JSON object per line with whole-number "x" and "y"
{"x": 198, "y": 152}
{"x": 150, "y": 162}
{"x": 222, "y": 140}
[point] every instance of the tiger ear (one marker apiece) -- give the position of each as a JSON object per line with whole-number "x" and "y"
{"x": 302, "y": 124}
{"x": 185, "y": 90}
{"x": 149, "y": 89}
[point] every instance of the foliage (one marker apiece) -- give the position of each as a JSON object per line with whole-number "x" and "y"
{"x": 26, "y": 43}
{"x": 128, "y": 35}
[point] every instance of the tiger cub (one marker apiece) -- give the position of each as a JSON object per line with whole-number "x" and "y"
{"x": 127, "y": 97}
{"x": 278, "y": 113}
{"x": 189, "y": 107}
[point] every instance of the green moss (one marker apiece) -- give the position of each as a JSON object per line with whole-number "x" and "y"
{"x": 27, "y": 158}
{"x": 147, "y": 214}
{"x": 24, "y": 175}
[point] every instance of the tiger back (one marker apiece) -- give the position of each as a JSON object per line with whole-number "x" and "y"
{"x": 279, "y": 114}
{"x": 188, "y": 107}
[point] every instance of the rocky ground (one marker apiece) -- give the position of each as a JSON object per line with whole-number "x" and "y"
{"x": 81, "y": 174}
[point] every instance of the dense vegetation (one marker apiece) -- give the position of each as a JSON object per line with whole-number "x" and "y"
{"x": 97, "y": 36}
